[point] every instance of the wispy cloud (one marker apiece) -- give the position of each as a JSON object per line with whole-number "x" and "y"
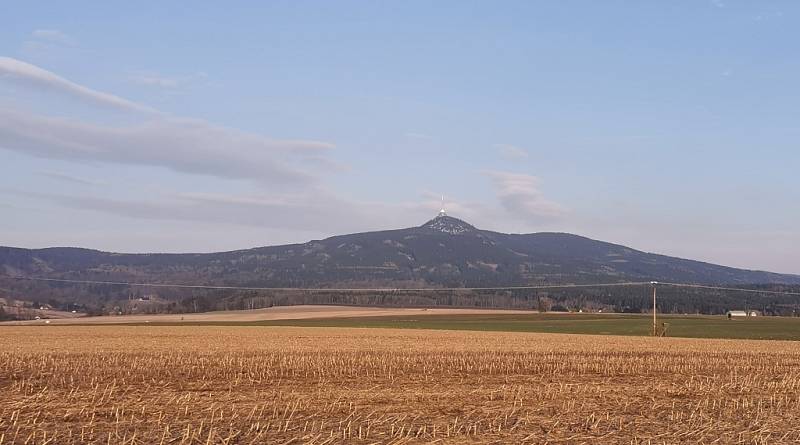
{"x": 325, "y": 164}
{"x": 154, "y": 80}
{"x": 44, "y": 41}
{"x": 519, "y": 194}
{"x": 511, "y": 151}
{"x": 182, "y": 145}
{"x": 66, "y": 177}
{"x": 310, "y": 210}
{"x": 768, "y": 16}
{"x": 158, "y": 80}
{"x": 19, "y": 71}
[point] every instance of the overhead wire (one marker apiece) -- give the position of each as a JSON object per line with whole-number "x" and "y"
{"x": 400, "y": 290}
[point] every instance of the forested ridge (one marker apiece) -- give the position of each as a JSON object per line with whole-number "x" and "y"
{"x": 444, "y": 252}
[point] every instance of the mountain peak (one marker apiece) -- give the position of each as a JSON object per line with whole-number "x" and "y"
{"x": 448, "y": 224}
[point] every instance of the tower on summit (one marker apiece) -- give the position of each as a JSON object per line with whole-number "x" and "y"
{"x": 442, "y": 212}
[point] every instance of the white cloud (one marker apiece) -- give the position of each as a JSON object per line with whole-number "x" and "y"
{"x": 19, "y": 71}
{"x": 511, "y": 151}
{"x": 182, "y": 145}
{"x": 519, "y": 194}
{"x": 297, "y": 199}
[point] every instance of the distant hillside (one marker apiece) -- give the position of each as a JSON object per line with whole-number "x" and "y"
{"x": 442, "y": 252}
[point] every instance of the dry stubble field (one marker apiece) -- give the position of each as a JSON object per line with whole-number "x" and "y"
{"x": 204, "y": 385}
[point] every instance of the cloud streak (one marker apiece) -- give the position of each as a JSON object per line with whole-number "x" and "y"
{"x": 25, "y": 73}
{"x": 313, "y": 210}
{"x": 190, "y": 146}
{"x": 43, "y": 41}
{"x": 66, "y": 177}
{"x": 511, "y": 151}
{"x": 182, "y": 145}
{"x": 519, "y": 194}
{"x": 157, "y": 80}
{"x": 154, "y": 80}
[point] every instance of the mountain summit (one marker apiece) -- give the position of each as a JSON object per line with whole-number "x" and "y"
{"x": 444, "y": 251}
{"x": 447, "y": 224}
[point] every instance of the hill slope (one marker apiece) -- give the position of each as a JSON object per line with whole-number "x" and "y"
{"x": 443, "y": 252}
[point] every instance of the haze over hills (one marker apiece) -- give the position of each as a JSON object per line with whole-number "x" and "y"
{"x": 445, "y": 251}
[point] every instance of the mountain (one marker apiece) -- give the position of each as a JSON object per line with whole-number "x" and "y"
{"x": 445, "y": 251}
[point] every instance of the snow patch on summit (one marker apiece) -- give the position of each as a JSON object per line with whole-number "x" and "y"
{"x": 450, "y": 225}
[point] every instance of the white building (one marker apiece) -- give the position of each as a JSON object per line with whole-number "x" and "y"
{"x": 731, "y": 314}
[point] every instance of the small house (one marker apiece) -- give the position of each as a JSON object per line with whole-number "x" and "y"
{"x": 732, "y": 314}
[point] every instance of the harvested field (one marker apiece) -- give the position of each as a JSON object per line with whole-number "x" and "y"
{"x": 188, "y": 384}
{"x": 299, "y": 312}
{"x": 691, "y": 326}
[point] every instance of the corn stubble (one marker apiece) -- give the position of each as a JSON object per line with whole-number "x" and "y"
{"x": 226, "y": 385}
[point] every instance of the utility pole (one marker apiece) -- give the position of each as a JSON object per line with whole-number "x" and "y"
{"x": 655, "y": 322}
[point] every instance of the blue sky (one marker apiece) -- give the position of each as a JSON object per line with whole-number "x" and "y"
{"x": 666, "y": 126}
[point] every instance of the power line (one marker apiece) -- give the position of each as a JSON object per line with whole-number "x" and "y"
{"x": 317, "y": 289}
{"x": 389, "y": 290}
{"x": 731, "y": 289}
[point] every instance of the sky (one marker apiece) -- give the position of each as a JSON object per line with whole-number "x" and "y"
{"x": 669, "y": 127}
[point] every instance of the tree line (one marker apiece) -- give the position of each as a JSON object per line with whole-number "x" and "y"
{"x": 99, "y": 299}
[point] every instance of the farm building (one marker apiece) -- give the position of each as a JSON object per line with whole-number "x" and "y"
{"x": 731, "y": 314}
